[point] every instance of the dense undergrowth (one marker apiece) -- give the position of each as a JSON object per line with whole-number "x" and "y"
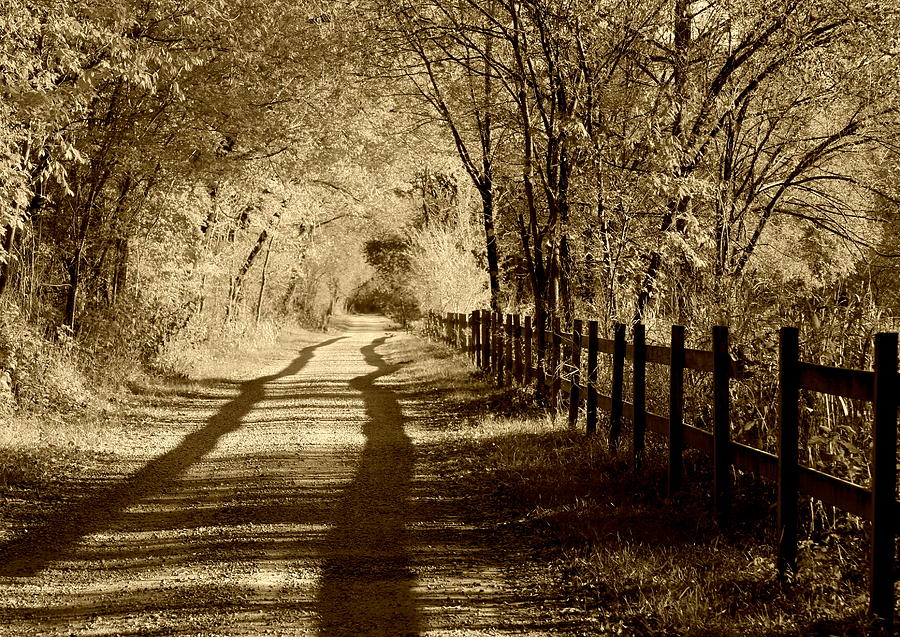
{"x": 63, "y": 401}
{"x": 616, "y": 550}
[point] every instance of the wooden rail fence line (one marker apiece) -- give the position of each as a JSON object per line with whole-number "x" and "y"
{"x": 504, "y": 346}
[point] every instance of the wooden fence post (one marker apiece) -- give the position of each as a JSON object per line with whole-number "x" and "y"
{"x": 618, "y": 381}
{"x": 540, "y": 363}
{"x": 527, "y": 354}
{"x": 574, "y": 392}
{"x": 639, "y": 392}
{"x": 508, "y": 355}
{"x": 480, "y": 337}
{"x": 492, "y": 352}
{"x": 676, "y": 410}
{"x": 486, "y": 340}
{"x": 555, "y": 347}
{"x": 500, "y": 344}
{"x": 492, "y": 365}
{"x": 474, "y": 345}
{"x": 517, "y": 344}
{"x": 721, "y": 423}
{"x": 884, "y": 481}
{"x": 593, "y": 351}
{"x": 788, "y": 443}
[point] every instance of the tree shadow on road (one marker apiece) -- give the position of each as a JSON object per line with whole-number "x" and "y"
{"x": 367, "y": 581}
{"x": 29, "y": 553}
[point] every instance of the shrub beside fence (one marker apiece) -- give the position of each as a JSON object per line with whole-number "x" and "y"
{"x": 504, "y": 346}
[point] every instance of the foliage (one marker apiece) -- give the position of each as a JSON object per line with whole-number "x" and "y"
{"x": 445, "y": 275}
{"x": 40, "y": 378}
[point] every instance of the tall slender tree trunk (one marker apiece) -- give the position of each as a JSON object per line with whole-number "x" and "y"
{"x": 531, "y": 234}
{"x": 6, "y": 267}
{"x": 72, "y": 294}
{"x": 237, "y": 282}
{"x": 487, "y": 178}
{"x": 262, "y": 281}
{"x": 120, "y": 276}
{"x": 487, "y": 202}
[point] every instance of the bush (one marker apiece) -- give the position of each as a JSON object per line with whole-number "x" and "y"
{"x": 42, "y": 375}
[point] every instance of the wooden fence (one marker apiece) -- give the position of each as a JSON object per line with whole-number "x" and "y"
{"x": 505, "y": 346}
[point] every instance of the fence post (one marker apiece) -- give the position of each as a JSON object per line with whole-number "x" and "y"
{"x": 500, "y": 344}
{"x": 541, "y": 360}
{"x": 508, "y": 341}
{"x": 884, "y": 481}
{"x": 492, "y": 352}
{"x": 575, "y": 392}
{"x": 527, "y": 361}
{"x": 473, "y": 337}
{"x": 593, "y": 350}
{"x": 481, "y": 321}
{"x": 492, "y": 337}
{"x": 788, "y": 443}
{"x": 517, "y": 344}
{"x": 618, "y": 381}
{"x": 486, "y": 340}
{"x": 676, "y": 410}
{"x": 721, "y": 423}
{"x": 639, "y": 392}
{"x": 555, "y": 347}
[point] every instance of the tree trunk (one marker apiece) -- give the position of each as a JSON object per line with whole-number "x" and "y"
{"x": 237, "y": 282}
{"x": 487, "y": 202}
{"x": 6, "y": 266}
{"x": 531, "y": 235}
{"x": 262, "y": 281}
{"x": 72, "y": 295}
{"x": 565, "y": 283}
{"x": 120, "y": 277}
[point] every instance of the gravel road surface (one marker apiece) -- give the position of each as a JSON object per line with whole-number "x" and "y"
{"x": 292, "y": 503}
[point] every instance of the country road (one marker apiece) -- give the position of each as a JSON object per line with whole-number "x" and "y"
{"x": 290, "y": 501}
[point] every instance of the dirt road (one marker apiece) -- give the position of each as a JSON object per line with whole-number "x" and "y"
{"x": 293, "y": 503}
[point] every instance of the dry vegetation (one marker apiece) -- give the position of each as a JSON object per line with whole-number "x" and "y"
{"x": 617, "y": 551}
{"x": 64, "y": 406}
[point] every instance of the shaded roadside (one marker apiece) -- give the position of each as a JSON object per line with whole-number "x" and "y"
{"x": 367, "y": 579}
{"x": 33, "y": 550}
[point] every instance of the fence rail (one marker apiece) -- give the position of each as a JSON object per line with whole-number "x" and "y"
{"x": 505, "y": 346}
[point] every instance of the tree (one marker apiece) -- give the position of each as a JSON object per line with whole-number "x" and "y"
{"x": 436, "y": 38}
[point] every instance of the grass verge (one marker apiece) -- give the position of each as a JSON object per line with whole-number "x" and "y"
{"x": 612, "y": 548}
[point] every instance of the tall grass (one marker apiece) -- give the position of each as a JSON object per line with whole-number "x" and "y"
{"x": 199, "y": 347}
